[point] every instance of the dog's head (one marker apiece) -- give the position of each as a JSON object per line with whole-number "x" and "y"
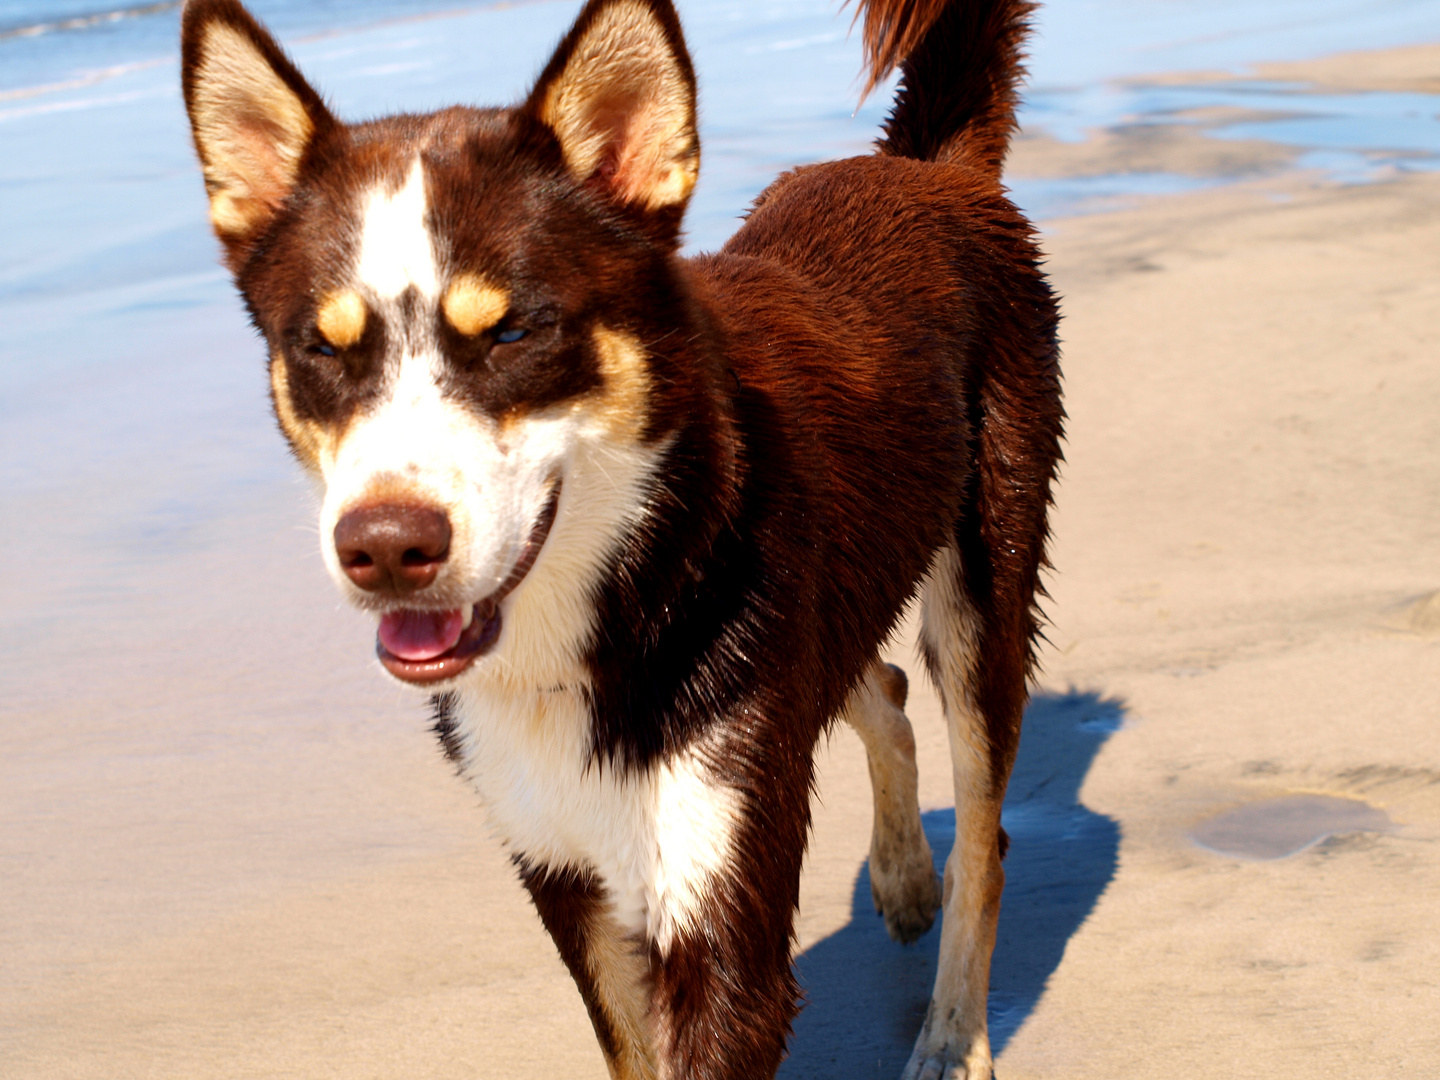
{"x": 465, "y": 314}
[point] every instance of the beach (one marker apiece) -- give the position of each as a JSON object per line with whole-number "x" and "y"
{"x": 231, "y": 848}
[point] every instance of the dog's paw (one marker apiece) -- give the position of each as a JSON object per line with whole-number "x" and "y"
{"x": 907, "y": 894}
{"x": 942, "y": 1065}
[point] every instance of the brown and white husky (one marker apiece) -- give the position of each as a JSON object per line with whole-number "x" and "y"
{"x": 639, "y": 524}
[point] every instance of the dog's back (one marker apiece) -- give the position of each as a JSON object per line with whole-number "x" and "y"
{"x": 642, "y": 524}
{"x": 892, "y": 318}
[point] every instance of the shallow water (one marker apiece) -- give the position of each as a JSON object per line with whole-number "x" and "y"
{"x": 1287, "y": 825}
{"x": 169, "y": 645}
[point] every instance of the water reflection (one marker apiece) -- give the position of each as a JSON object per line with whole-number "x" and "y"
{"x": 1287, "y": 825}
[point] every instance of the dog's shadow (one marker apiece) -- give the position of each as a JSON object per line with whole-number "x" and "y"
{"x": 867, "y": 995}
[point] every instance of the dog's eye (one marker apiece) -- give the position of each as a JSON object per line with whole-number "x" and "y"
{"x": 509, "y": 337}
{"x": 324, "y": 349}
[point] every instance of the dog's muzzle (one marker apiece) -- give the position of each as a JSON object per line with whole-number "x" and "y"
{"x": 399, "y": 550}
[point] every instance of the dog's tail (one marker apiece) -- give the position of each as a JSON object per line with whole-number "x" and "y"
{"x": 961, "y": 67}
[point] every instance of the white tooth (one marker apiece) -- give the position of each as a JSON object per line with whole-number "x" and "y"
{"x": 469, "y": 617}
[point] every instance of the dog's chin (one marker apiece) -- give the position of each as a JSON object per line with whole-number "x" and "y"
{"x": 426, "y": 647}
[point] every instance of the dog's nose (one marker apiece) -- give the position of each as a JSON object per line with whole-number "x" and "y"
{"x": 394, "y": 549}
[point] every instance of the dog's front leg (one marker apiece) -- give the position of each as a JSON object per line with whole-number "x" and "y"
{"x": 725, "y": 994}
{"x": 613, "y": 970}
{"x": 715, "y": 998}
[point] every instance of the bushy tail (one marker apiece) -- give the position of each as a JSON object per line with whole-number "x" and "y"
{"x": 961, "y": 67}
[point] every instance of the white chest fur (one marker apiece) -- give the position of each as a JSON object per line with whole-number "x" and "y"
{"x": 656, "y": 838}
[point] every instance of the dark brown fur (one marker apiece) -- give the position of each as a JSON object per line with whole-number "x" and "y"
{"x": 865, "y": 374}
{"x": 568, "y": 902}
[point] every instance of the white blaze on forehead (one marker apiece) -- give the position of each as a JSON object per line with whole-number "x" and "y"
{"x": 396, "y": 249}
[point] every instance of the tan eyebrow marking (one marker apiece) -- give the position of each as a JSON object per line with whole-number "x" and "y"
{"x": 473, "y": 306}
{"x": 342, "y": 318}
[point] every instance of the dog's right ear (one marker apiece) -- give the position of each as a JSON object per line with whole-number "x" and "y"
{"x": 252, "y": 115}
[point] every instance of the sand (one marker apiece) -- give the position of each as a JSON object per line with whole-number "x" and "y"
{"x": 1247, "y": 543}
{"x": 1248, "y": 533}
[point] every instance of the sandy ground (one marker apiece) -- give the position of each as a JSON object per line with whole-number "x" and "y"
{"x": 1410, "y": 68}
{"x": 1248, "y": 544}
{"x": 1248, "y": 533}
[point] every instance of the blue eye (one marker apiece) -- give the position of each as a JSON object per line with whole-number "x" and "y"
{"x": 507, "y": 337}
{"x": 324, "y": 350}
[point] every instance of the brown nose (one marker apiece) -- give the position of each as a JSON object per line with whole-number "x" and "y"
{"x": 394, "y": 549}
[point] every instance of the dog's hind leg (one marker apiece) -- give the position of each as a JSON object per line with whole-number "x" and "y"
{"x": 982, "y": 689}
{"x": 902, "y": 868}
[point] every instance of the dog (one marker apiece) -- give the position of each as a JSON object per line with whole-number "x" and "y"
{"x": 640, "y": 524}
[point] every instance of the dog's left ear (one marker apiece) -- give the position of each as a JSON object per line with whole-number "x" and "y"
{"x": 619, "y": 94}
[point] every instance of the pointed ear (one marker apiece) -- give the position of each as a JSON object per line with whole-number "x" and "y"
{"x": 252, "y": 115}
{"x": 619, "y": 94}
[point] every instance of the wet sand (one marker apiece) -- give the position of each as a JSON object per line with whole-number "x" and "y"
{"x": 1247, "y": 531}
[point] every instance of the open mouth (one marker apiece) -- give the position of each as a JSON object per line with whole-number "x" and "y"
{"x": 430, "y": 646}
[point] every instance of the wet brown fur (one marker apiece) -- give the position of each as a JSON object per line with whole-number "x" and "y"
{"x": 865, "y": 374}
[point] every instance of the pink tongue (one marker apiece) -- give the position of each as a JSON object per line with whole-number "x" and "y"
{"x": 420, "y": 635}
